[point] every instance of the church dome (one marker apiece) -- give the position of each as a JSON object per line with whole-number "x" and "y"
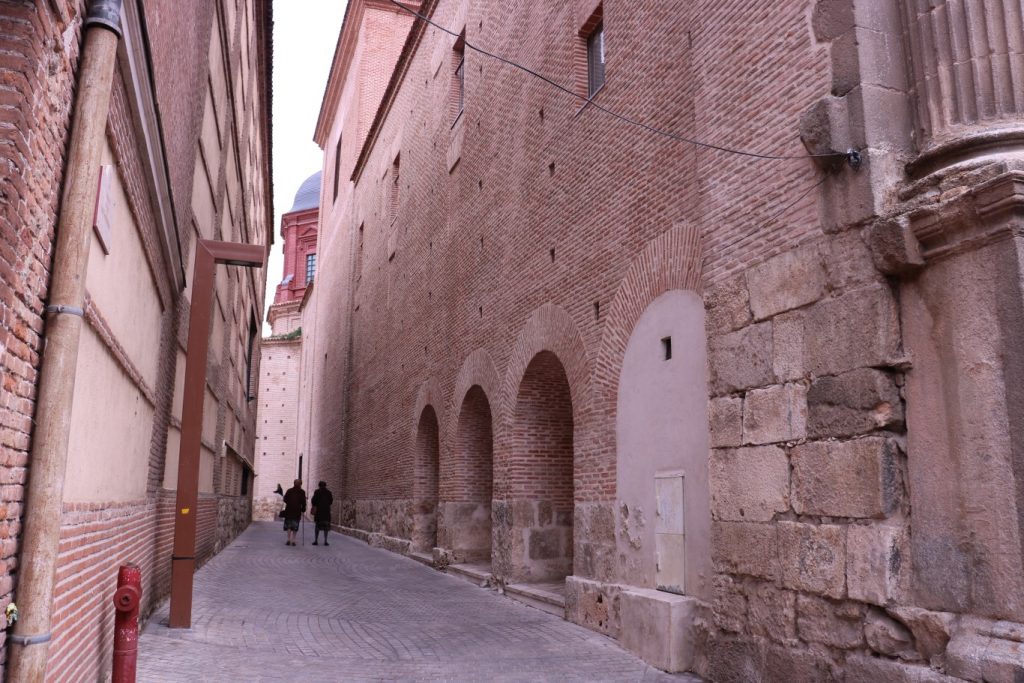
{"x": 308, "y": 196}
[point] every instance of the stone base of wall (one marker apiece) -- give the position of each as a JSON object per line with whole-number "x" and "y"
{"x": 266, "y": 509}
{"x": 401, "y": 546}
{"x": 532, "y": 541}
{"x": 234, "y": 513}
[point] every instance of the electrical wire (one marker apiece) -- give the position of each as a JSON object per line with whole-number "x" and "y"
{"x": 614, "y": 114}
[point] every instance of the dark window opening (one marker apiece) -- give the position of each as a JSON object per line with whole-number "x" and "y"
{"x": 249, "y": 369}
{"x": 458, "y": 88}
{"x": 337, "y": 166}
{"x": 666, "y": 347}
{"x": 396, "y": 169}
{"x": 310, "y": 267}
{"x": 595, "y": 60}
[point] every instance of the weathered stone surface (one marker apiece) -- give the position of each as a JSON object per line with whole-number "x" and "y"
{"x": 745, "y": 548}
{"x": 846, "y": 479}
{"x": 771, "y": 612}
{"x": 659, "y": 627}
{"x": 741, "y": 359}
{"x": 788, "y": 346}
{"x": 749, "y": 484}
{"x": 798, "y": 666}
{"x": 593, "y": 604}
{"x": 726, "y": 305}
{"x": 837, "y": 624}
{"x": 545, "y": 544}
{"x": 730, "y": 604}
{"x": 725, "y": 416}
{"x": 732, "y": 660}
{"x": 848, "y": 261}
{"x": 831, "y": 19}
{"x": 857, "y": 329}
{"x": 931, "y": 630}
{"x": 853, "y": 403}
{"x": 886, "y": 636}
{"x": 813, "y": 557}
{"x": 865, "y": 669}
{"x": 978, "y": 657}
{"x": 774, "y": 414}
{"x": 790, "y": 280}
{"x": 894, "y": 248}
{"x": 876, "y": 563}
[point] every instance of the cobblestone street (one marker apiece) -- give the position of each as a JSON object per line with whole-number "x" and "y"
{"x": 349, "y": 612}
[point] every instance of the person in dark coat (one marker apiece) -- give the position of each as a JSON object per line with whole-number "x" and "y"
{"x": 322, "y": 501}
{"x": 294, "y": 506}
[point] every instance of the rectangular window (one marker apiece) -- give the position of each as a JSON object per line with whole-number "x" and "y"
{"x": 396, "y": 168}
{"x": 249, "y": 366}
{"x": 458, "y": 89}
{"x": 337, "y": 166}
{"x": 595, "y": 60}
{"x": 310, "y": 267}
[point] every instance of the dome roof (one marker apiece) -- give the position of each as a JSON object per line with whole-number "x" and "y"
{"x": 308, "y": 196}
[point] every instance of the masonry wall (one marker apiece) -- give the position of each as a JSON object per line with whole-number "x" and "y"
{"x": 119, "y": 501}
{"x": 277, "y": 424}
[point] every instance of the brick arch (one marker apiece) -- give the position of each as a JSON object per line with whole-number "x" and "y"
{"x": 477, "y": 370}
{"x": 549, "y": 328}
{"x": 671, "y": 261}
{"x": 426, "y": 447}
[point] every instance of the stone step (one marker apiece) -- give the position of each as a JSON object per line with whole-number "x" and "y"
{"x": 473, "y": 573}
{"x": 531, "y": 595}
{"x": 423, "y": 558}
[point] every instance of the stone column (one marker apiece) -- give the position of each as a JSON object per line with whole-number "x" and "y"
{"x": 966, "y": 66}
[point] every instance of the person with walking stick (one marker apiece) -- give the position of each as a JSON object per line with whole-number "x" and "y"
{"x": 321, "y": 508}
{"x": 294, "y": 506}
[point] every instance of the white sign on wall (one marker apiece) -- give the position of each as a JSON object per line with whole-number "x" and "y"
{"x": 103, "y": 215}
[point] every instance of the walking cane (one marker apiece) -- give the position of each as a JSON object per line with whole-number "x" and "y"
{"x": 303, "y": 529}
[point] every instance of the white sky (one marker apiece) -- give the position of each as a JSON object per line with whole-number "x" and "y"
{"x": 305, "y": 34}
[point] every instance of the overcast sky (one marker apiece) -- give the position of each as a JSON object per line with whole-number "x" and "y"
{"x": 305, "y": 33}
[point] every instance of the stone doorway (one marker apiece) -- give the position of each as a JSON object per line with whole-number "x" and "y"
{"x": 425, "y": 491}
{"x": 464, "y": 526}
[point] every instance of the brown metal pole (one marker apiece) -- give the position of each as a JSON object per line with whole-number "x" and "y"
{"x": 183, "y": 561}
{"x": 40, "y": 541}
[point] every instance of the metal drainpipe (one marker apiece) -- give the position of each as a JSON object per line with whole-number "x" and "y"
{"x": 39, "y": 544}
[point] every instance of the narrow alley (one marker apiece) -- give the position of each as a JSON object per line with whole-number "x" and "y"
{"x": 349, "y": 612}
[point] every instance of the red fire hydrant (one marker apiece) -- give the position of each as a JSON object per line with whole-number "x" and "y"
{"x": 126, "y": 622}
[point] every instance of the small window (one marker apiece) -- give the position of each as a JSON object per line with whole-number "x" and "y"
{"x": 458, "y": 88}
{"x": 337, "y": 167}
{"x": 396, "y": 168}
{"x": 310, "y": 267}
{"x": 595, "y": 60}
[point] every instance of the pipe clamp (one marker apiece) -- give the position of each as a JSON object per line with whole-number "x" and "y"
{"x": 29, "y": 640}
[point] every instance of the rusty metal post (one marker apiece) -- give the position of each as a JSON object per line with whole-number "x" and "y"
{"x": 183, "y": 556}
{"x": 126, "y": 623}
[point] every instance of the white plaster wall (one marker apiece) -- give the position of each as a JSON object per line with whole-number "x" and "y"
{"x": 108, "y": 452}
{"x": 662, "y": 425}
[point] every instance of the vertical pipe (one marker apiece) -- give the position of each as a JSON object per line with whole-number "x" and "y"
{"x": 39, "y": 545}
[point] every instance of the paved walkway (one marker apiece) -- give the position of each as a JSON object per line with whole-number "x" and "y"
{"x": 267, "y": 612}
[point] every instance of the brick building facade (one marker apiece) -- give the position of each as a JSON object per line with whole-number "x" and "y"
{"x": 277, "y": 454}
{"x": 186, "y": 157}
{"x": 753, "y": 416}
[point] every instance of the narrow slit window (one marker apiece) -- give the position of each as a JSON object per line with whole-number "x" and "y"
{"x": 310, "y": 267}
{"x": 458, "y": 87}
{"x": 666, "y": 348}
{"x": 595, "y": 60}
{"x": 337, "y": 167}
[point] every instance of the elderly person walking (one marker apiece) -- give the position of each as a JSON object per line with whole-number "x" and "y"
{"x": 294, "y": 506}
{"x": 321, "y": 503}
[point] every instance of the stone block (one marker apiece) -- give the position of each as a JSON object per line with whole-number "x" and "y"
{"x": 735, "y": 660}
{"x": 788, "y": 346}
{"x": 659, "y": 627}
{"x": 774, "y": 414}
{"x": 931, "y": 630}
{"x": 831, "y": 19}
{"x": 544, "y": 544}
{"x": 745, "y": 548}
{"x": 866, "y": 669}
{"x": 813, "y": 557}
{"x": 853, "y": 403}
{"x": 792, "y": 279}
{"x": 771, "y": 612}
{"x": 848, "y": 262}
{"x": 836, "y": 624}
{"x": 741, "y": 359}
{"x": 846, "y": 478}
{"x": 593, "y": 604}
{"x": 888, "y": 637}
{"x": 725, "y": 416}
{"x": 726, "y": 305}
{"x": 730, "y": 604}
{"x": 980, "y": 657}
{"x": 875, "y": 563}
{"x": 894, "y": 248}
{"x": 749, "y": 484}
{"x": 798, "y": 666}
{"x": 857, "y": 329}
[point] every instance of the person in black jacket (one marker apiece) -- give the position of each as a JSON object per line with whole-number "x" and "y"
{"x": 294, "y": 506}
{"x": 322, "y": 501}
